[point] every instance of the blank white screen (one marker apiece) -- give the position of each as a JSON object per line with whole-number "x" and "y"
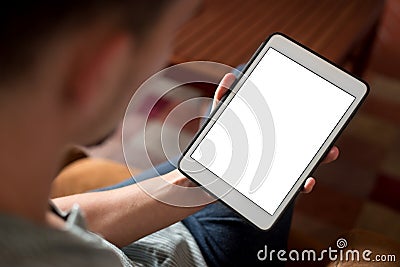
{"x": 305, "y": 109}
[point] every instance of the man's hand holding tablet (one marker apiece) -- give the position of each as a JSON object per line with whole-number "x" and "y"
{"x": 278, "y": 122}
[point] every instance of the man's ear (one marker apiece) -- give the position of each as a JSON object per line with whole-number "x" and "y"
{"x": 98, "y": 70}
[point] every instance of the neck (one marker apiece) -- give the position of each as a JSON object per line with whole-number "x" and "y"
{"x": 29, "y": 158}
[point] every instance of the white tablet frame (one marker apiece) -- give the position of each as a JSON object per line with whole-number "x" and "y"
{"x": 315, "y": 63}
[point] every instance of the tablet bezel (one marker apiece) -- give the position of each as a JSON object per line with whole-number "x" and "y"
{"x": 315, "y": 63}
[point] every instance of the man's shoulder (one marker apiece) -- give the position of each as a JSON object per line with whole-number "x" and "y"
{"x": 25, "y": 244}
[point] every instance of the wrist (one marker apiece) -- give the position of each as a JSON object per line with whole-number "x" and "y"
{"x": 175, "y": 177}
{"x": 189, "y": 193}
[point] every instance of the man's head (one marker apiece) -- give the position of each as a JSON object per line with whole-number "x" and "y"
{"x": 69, "y": 68}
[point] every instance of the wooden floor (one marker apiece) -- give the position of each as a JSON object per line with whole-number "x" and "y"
{"x": 229, "y": 31}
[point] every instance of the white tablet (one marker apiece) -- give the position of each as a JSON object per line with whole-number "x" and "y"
{"x": 264, "y": 140}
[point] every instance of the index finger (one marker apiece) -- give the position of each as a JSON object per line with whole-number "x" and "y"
{"x": 332, "y": 155}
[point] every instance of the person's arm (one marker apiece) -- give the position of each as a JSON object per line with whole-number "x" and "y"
{"x": 126, "y": 214}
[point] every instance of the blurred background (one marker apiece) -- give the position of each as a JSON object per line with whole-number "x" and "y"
{"x": 362, "y": 188}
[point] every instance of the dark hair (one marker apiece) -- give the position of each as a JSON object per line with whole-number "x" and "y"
{"x": 25, "y": 26}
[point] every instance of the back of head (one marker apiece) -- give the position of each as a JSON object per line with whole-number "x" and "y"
{"x": 27, "y": 26}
